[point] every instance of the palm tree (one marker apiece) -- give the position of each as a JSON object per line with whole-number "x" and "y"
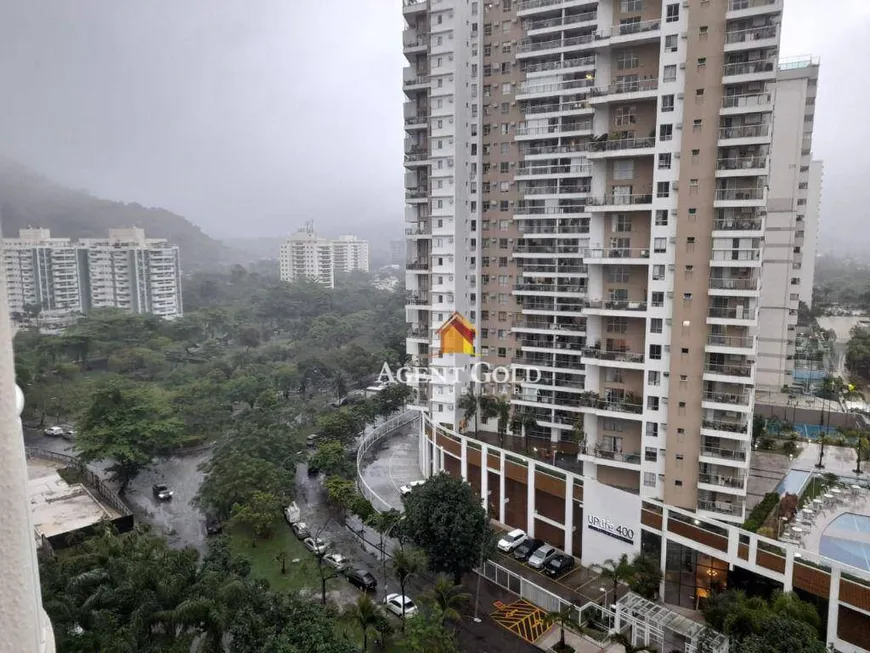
{"x": 823, "y": 440}
{"x": 502, "y": 408}
{"x": 861, "y": 445}
{"x": 469, "y": 405}
{"x": 561, "y": 617}
{"x": 449, "y": 598}
{"x": 618, "y": 571}
{"x": 339, "y": 384}
{"x": 628, "y": 647}
{"x": 406, "y": 564}
{"x": 364, "y": 613}
{"x": 523, "y": 421}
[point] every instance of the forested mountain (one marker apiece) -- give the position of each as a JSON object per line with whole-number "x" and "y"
{"x": 29, "y": 200}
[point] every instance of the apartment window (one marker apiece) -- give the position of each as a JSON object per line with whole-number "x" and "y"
{"x": 506, "y": 88}
{"x": 702, "y": 61}
{"x": 652, "y": 403}
{"x": 439, "y": 204}
{"x": 613, "y": 375}
{"x": 503, "y": 224}
{"x": 671, "y": 43}
{"x": 505, "y": 67}
{"x": 623, "y": 170}
{"x": 617, "y": 325}
{"x": 656, "y": 325}
{"x": 678, "y": 483}
{"x": 625, "y": 116}
{"x": 669, "y": 74}
{"x": 662, "y": 218}
{"x": 657, "y": 299}
{"x": 611, "y": 424}
{"x": 504, "y": 186}
{"x": 487, "y": 50}
{"x": 505, "y": 48}
{"x": 696, "y": 124}
{"x": 655, "y": 352}
{"x": 667, "y": 103}
{"x": 653, "y": 378}
{"x": 487, "y": 30}
{"x": 672, "y": 13}
{"x": 663, "y": 189}
{"x": 502, "y": 243}
{"x": 693, "y": 184}
{"x": 658, "y": 272}
{"x": 505, "y": 148}
{"x": 505, "y": 5}
{"x": 660, "y": 245}
{"x": 649, "y": 479}
{"x": 503, "y": 206}
{"x": 703, "y": 31}
{"x": 652, "y": 430}
{"x": 617, "y": 274}
{"x": 626, "y": 6}
{"x": 621, "y": 222}
{"x": 666, "y": 132}
{"x": 505, "y": 129}
{"x": 505, "y": 26}
{"x": 502, "y": 261}
{"x": 665, "y": 161}
{"x": 699, "y": 93}
{"x": 487, "y": 70}
{"x": 627, "y": 59}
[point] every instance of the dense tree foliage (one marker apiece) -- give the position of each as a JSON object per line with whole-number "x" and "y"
{"x": 447, "y": 521}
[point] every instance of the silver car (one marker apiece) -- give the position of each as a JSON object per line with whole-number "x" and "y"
{"x": 542, "y": 556}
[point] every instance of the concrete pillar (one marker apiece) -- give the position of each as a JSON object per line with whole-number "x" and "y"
{"x": 501, "y": 488}
{"x": 24, "y": 625}
{"x": 484, "y": 475}
{"x": 463, "y": 458}
{"x": 833, "y": 607}
{"x": 789, "y": 571}
{"x": 530, "y": 497}
{"x": 569, "y": 514}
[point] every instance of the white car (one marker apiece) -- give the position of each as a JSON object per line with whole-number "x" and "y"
{"x": 405, "y": 490}
{"x": 53, "y": 432}
{"x": 315, "y": 545}
{"x": 394, "y": 604}
{"x": 512, "y": 540}
{"x": 336, "y": 561}
{"x": 292, "y": 513}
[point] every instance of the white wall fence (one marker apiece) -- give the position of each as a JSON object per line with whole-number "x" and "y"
{"x": 367, "y": 441}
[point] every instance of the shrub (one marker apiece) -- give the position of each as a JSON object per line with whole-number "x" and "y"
{"x": 761, "y": 511}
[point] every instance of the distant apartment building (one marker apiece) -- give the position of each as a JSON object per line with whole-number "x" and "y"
{"x": 60, "y": 277}
{"x": 791, "y": 222}
{"x": 397, "y": 252}
{"x": 307, "y": 255}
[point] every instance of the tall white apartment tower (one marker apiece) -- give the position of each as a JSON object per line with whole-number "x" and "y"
{"x": 607, "y": 223}
{"x": 350, "y": 253}
{"x": 442, "y": 43}
{"x": 307, "y": 255}
{"x": 792, "y": 221}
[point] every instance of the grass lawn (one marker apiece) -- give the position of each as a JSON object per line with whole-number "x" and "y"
{"x": 303, "y": 574}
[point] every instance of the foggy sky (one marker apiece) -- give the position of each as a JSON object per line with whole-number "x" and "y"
{"x": 251, "y": 116}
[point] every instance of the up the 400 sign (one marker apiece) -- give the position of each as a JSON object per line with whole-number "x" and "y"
{"x": 604, "y": 525}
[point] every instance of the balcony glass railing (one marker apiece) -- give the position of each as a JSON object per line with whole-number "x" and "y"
{"x": 735, "y": 255}
{"x": 741, "y": 101}
{"x": 727, "y": 454}
{"x": 532, "y": 86}
{"x": 749, "y": 68}
{"x": 634, "y": 86}
{"x": 628, "y": 28}
{"x": 745, "y": 131}
{"x": 752, "y": 34}
{"x": 740, "y": 5}
{"x": 550, "y": 287}
{"x": 563, "y": 189}
{"x": 536, "y": 4}
{"x": 730, "y": 427}
{"x": 620, "y": 407}
{"x": 534, "y": 267}
{"x": 556, "y": 107}
{"x": 576, "y": 62}
{"x": 736, "y": 195}
{"x": 616, "y": 252}
{"x": 742, "y": 163}
{"x": 620, "y": 200}
{"x": 526, "y": 248}
{"x": 567, "y": 20}
{"x": 523, "y": 208}
{"x": 621, "y": 144}
{"x": 722, "y": 480}
{"x": 617, "y": 304}
{"x": 617, "y": 356}
{"x": 555, "y": 228}
{"x": 580, "y": 170}
{"x": 528, "y": 45}
{"x": 743, "y": 342}
{"x": 738, "y": 224}
{"x": 417, "y": 265}
{"x": 729, "y": 369}
{"x": 416, "y": 81}
{"x": 562, "y": 307}
{"x": 721, "y": 507}
{"x": 598, "y": 451}
{"x": 732, "y": 312}
{"x": 734, "y": 398}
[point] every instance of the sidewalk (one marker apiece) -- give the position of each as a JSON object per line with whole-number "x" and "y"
{"x": 572, "y": 639}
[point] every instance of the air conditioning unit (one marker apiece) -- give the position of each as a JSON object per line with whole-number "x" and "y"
{"x": 682, "y": 66}
{"x": 680, "y": 96}
{"x": 674, "y": 211}
{"x": 675, "y": 185}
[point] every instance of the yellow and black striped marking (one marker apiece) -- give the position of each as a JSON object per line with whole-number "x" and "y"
{"x": 521, "y": 618}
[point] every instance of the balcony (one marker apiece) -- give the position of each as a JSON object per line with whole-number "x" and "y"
{"x": 739, "y": 197}
{"x": 417, "y": 195}
{"x": 565, "y": 188}
{"x": 750, "y": 71}
{"x": 598, "y": 454}
{"x": 722, "y": 509}
{"x": 723, "y": 455}
{"x": 549, "y": 248}
{"x": 747, "y": 8}
{"x": 572, "y": 209}
{"x": 715, "y": 340}
{"x": 622, "y": 147}
{"x": 415, "y": 42}
{"x": 416, "y": 299}
{"x": 549, "y": 66}
{"x": 740, "y": 428}
{"x": 744, "y": 166}
{"x": 721, "y": 482}
{"x": 526, "y": 170}
{"x": 418, "y": 333}
{"x": 416, "y": 122}
{"x": 752, "y": 227}
{"x": 565, "y": 129}
{"x": 531, "y": 307}
{"x": 617, "y": 255}
{"x": 745, "y": 135}
{"x": 605, "y": 408}
{"x": 625, "y": 91}
{"x": 419, "y": 83}
{"x": 714, "y": 400}
{"x": 614, "y": 307}
{"x": 533, "y": 88}
{"x": 559, "y": 268}
{"x": 418, "y": 233}
{"x": 417, "y": 159}
{"x": 414, "y": 6}
{"x": 549, "y": 289}
{"x": 620, "y": 202}
{"x": 563, "y": 108}
{"x": 631, "y": 32}
{"x": 417, "y": 266}
{"x": 752, "y": 103}
{"x": 765, "y": 36}
{"x": 734, "y": 287}
{"x": 530, "y": 46}
{"x": 558, "y": 23}
{"x": 621, "y": 359}
{"x": 732, "y": 315}
{"x": 735, "y": 258}
{"x": 728, "y": 372}
{"x": 552, "y": 227}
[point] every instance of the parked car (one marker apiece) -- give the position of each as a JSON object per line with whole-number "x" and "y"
{"x": 69, "y": 433}
{"x": 311, "y": 440}
{"x": 362, "y": 579}
{"x": 405, "y": 490}
{"x": 336, "y": 561}
{"x": 162, "y": 492}
{"x": 313, "y": 470}
{"x": 53, "y": 432}
{"x": 541, "y": 556}
{"x": 315, "y": 545}
{"x": 394, "y": 604}
{"x": 512, "y": 540}
{"x": 292, "y": 513}
{"x": 300, "y": 530}
{"x": 559, "y": 564}
{"x": 213, "y": 525}
{"x": 526, "y": 548}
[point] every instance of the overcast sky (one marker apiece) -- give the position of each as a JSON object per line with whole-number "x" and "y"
{"x": 250, "y": 116}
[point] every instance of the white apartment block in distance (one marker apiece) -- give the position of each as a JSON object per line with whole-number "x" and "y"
{"x": 64, "y": 277}
{"x": 586, "y": 181}
{"x": 307, "y": 255}
{"x": 791, "y": 225}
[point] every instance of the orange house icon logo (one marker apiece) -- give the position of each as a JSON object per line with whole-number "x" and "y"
{"x": 457, "y": 336}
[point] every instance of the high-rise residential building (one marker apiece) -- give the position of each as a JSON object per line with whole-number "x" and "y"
{"x": 586, "y": 181}
{"x": 349, "y": 253}
{"x": 398, "y": 249}
{"x": 307, "y": 255}
{"x": 62, "y": 277}
{"x": 791, "y": 223}
{"x": 811, "y": 231}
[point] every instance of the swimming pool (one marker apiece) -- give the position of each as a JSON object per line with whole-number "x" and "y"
{"x": 847, "y": 539}
{"x": 793, "y": 483}
{"x": 808, "y": 431}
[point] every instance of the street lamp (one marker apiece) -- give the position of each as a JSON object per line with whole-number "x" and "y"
{"x": 480, "y": 571}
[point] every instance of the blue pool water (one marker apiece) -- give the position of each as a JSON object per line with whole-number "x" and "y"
{"x": 837, "y": 543}
{"x": 809, "y": 431}
{"x": 793, "y": 483}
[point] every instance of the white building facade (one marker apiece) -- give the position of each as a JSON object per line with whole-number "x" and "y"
{"x": 305, "y": 255}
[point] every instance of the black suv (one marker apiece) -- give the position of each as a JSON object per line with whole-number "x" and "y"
{"x": 559, "y": 564}
{"x": 527, "y": 548}
{"x": 362, "y": 579}
{"x": 213, "y": 525}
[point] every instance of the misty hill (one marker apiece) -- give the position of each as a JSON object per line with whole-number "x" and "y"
{"x": 29, "y": 200}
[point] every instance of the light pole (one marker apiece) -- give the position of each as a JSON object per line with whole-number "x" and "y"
{"x": 480, "y": 571}
{"x": 384, "y": 537}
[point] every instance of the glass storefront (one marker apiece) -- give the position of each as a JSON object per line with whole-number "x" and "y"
{"x": 691, "y": 577}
